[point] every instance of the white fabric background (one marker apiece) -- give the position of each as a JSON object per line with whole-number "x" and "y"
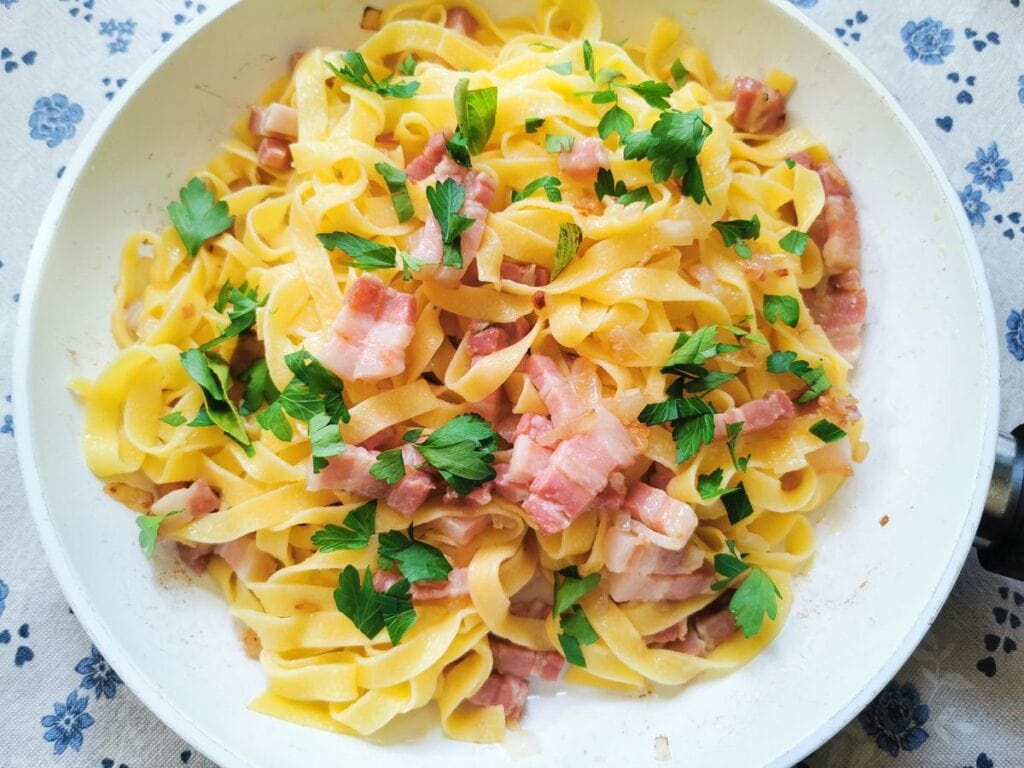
{"x": 958, "y": 69}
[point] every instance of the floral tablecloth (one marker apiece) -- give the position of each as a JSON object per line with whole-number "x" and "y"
{"x": 958, "y": 69}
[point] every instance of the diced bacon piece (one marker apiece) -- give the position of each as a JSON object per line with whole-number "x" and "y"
{"x": 525, "y": 274}
{"x": 759, "y": 109}
{"x": 563, "y": 402}
{"x": 387, "y": 140}
{"x": 461, "y": 530}
{"x": 632, "y": 547}
{"x": 514, "y": 492}
{"x": 489, "y": 409}
{"x": 756, "y": 414}
{"x": 247, "y": 560}
{"x": 652, "y": 588}
{"x": 611, "y": 498}
{"x": 660, "y": 512}
{"x": 429, "y": 247}
{"x": 193, "y": 502}
{"x": 371, "y": 332}
{"x": 584, "y": 159}
{"x": 197, "y": 558}
{"x": 832, "y": 180}
{"x": 379, "y": 441}
{"x": 660, "y": 477}
{"x": 385, "y": 580}
{"x": 457, "y": 585}
{"x": 505, "y": 691}
{"x": 460, "y": 20}
{"x": 714, "y": 627}
{"x": 841, "y": 314}
{"x": 487, "y": 341}
{"x": 530, "y": 609}
{"x": 533, "y": 425}
{"x": 350, "y": 471}
{"x": 690, "y": 643}
{"x": 528, "y": 460}
{"x": 512, "y": 659}
{"x": 579, "y": 470}
{"x": 409, "y": 493}
{"x": 802, "y": 158}
{"x": 274, "y": 121}
{"x": 839, "y": 409}
{"x": 481, "y": 495}
{"x": 274, "y": 154}
{"x": 818, "y": 232}
{"x": 842, "y": 248}
{"x": 668, "y": 635}
{"x": 433, "y": 153}
{"x": 479, "y": 194}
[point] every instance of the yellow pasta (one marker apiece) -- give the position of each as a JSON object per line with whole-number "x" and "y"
{"x": 644, "y": 273}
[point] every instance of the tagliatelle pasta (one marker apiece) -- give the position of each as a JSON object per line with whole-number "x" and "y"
{"x": 609, "y": 320}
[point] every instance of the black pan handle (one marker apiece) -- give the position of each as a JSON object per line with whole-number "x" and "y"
{"x": 1000, "y": 539}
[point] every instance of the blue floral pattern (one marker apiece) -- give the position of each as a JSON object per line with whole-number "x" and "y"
{"x": 1015, "y": 334}
{"x": 927, "y": 41}
{"x": 54, "y": 119}
{"x": 990, "y": 169}
{"x": 98, "y": 674}
{"x": 974, "y": 206}
{"x": 66, "y": 724}
{"x": 895, "y": 718}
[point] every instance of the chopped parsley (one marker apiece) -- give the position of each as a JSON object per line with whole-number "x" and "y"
{"x": 795, "y": 242}
{"x": 735, "y": 231}
{"x": 588, "y": 60}
{"x": 732, "y": 432}
{"x": 354, "y": 71}
{"x": 313, "y": 390}
{"x": 371, "y": 611}
{"x": 606, "y": 185}
{"x": 790, "y": 163}
{"x": 549, "y": 184}
{"x": 815, "y": 378}
{"x": 569, "y": 238}
{"x": 615, "y": 120}
{"x": 737, "y": 504}
{"x": 784, "y": 308}
{"x": 446, "y": 199}
{"x": 475, "y": 112}
{"x": 211, "y": 373}
{"x": 369, "y": 255}
{"x": 355, "y": 533}
{"x": 325, "y": 439}
{"x": 754, "y": 598}
{"x": 651, "y": 91}
{"x": 576, "y": 628}
{"x": 389, "y": 467}
{"x": 672, "y": 146}
{"x": 175, "y": 419}
{"x": 407, "y": 66}
{"x": 826, "y": 431}
{"x": 149, "y": 529}
{"x": 555, "y": 143}
{"x": 197, "y": 217}
{"x": 416, "y": 560}
{"x": 710, "y": 486}
{"x": 696, "y": 349}
{"x": 679, "y": 73}
{"x": 244, "y": 303}
{"x": 395, "y": 179}
{"x": 259, "y": 387}
{"x": 533, "y": 124}
{"x": 462, "y": 450}
{"x": 562, "y": 68}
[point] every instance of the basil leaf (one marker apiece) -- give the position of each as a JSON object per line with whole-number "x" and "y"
{"x": 570, "y": 236}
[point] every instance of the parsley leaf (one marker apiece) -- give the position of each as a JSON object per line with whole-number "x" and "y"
{"x": 175, "y": 419}
{"x": 732, "y": 432}
{"x": 359, "y": 526}
{"x": 417, "y": 560}
{"x": 533, "y": 124}
{"x": 795, "y": 242}
{"x": 815, "y": 378}
{"x": 396, "y": 610}
{"x": 826, "y": 431}
{"x": 326, "y": 440}
{"x": 312, "y": 391}
{"x": 549, "y": 184}
{"x": 395, "y": 179}
{"x": 588, "y": 59}
{"x": 651, "y": 91}
{"x": 569, "y": 238}
{"x": 672, "y": 145}
{"x": 359, "y": 602}
{"x": 475, "y": 112}
{"x": 407, "y": 66}
{"x": 260, "y": 387}
{"x": 562, "y": 68}
{"x": 737, "y": 504}
{"x": 569, "y": 589}
{"x": 615, "y": 120}
{"x": 365, "y": 254}
{"x": 754, "y": 598}
{"x": 197, "y": 217}
{"x": 784, "y": 308}
{"x": 710, "y": 486}
{"x": 679, "y": 73}
{"x": 606, "y": 185}
{"x": 210, "y": 372}
{"x": 446, "y": 199}
{"x": 244, "y": 304}
{"x": 695, "y": 427}
{"x": 555, "y": 143}
{"x": 149, "y": 528}
{"x": 790, "y": 163}
{"x": 462, "y": 450}
{"x": 355, "y": 71}
{"x": 735, "y": 231}
{"x": 389, "y": 467}
{"x": 696, "y": 349}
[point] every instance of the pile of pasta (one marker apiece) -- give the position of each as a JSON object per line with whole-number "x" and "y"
{"x": 642, "y": 275}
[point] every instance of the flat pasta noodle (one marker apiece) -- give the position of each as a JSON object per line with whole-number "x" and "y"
{"x": 642, "y": 274}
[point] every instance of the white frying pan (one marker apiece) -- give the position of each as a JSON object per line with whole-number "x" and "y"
{"x": 927, "y": 383}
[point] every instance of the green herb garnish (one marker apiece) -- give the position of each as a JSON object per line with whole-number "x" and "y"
{"x": 446, "y": 199}
{"x": 672, "y": 146}
{"x": 754, "y": 598}
{"x": 355, "y": 533}
{"x": 784, "y": 308}
{"x": 355, "y": 71}
{"x": 826, "y": 431}
{"x": 735, "y": 231}
{"x": 815, "y": 378}
{"x": 395, "y": 179}
{"x": 149, "y": 529}
{"x": 570, "y": 236}
{"x": 197, "y": 217}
